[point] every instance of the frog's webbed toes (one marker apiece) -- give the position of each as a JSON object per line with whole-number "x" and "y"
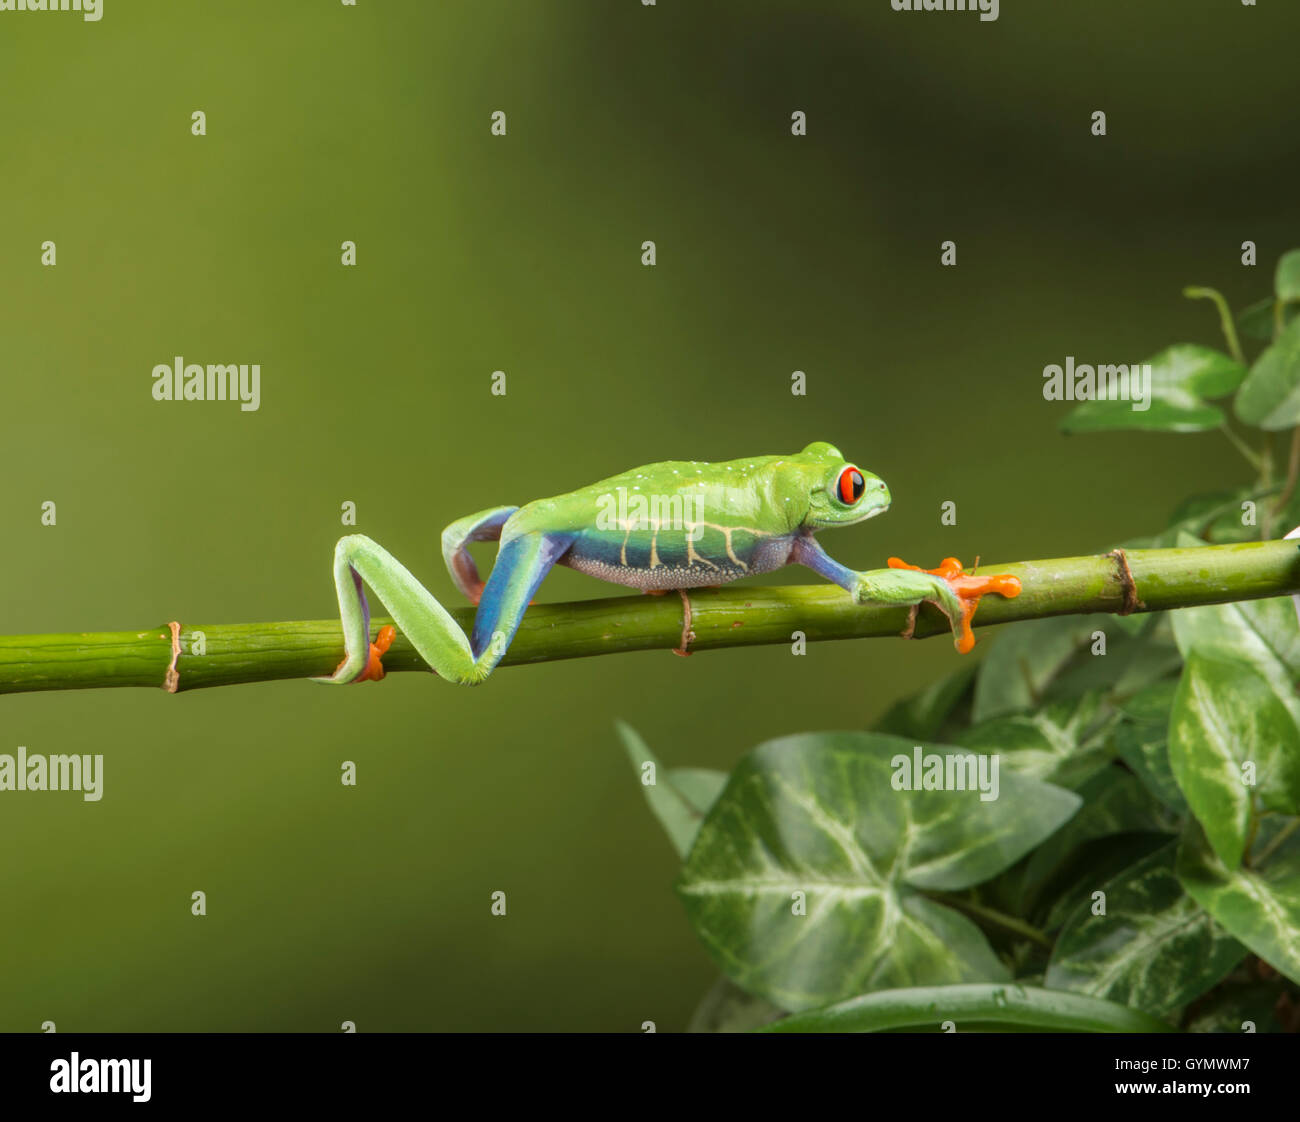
{"x": 966, "y": 592}
{"x": 374, "y": 671}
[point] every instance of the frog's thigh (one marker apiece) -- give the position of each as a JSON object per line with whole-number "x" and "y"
{"x": 485, "y": 526}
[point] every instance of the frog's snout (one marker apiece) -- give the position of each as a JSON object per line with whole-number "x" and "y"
{"x": 875, "y": 496}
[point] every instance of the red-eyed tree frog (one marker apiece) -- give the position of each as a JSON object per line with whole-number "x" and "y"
{"x": 674, "y": 525}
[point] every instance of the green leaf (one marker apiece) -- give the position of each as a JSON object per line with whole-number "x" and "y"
{"x": 1202, "y": 371}
{"x": 1260, "y": 906}
{"x": 969, "y": 1006}
{"x": 819, "y": 815}
{"x": 1155, "y": 948}
{"x": 1141, "y": 740}
{"x": 1174, "y": 411}
{"x": 1238, "y": 1007}
{"x": 1092, "y": 864}
{"x": 1263, "y": 633}
{"x": 1257, "y": 322}
{"x": 1226, "y": 723}
{"x": 1270, "y": 396}
{"x": 679, "y": 797}
{"x": 1181, "y": 377}
{"x": 922, "y": 715}
{"x": 728, "y": 1008}
{"x": 1150, "y": 704}
{"x": 1217, "y": 518}
{"x": 1114, "y": 802}
{"x": 1137, "y": 651}
{"x": 1286, "y": 281}
{"x": 1063, "y": 743}
{"x": 1145, "y": 749}
{"x": 1023, "y": 661}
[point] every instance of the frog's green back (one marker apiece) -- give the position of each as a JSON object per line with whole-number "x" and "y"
{"x": 765, "y": 495}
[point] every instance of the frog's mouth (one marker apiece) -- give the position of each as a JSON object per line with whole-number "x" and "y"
{"x": 874, "y": 512}
{"x": 877, "y": 501}
{"x": 857, "y": 519}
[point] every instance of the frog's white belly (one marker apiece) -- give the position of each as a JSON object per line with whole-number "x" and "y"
{"x": 668, "y": 567}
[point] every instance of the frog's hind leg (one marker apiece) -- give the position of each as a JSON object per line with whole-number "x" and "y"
{"x": 521, "y": 566}
{"x": 485, "y": 526}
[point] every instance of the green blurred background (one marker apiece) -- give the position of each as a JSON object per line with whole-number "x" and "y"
{"x": 477, "y": 253}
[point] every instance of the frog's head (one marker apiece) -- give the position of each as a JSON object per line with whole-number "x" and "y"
{"x": 840, "y": 493}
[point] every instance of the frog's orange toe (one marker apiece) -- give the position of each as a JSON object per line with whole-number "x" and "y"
{"x": 969, "y": 590}
{"x": 374, "y": 671}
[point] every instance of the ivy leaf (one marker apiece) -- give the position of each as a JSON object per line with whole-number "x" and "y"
{"x": 1114, "y": 802}
{"x": 922, "y": 715}
{"x": 1182, "y": 377}
{"x": 1218, "y": 518}
{"x": 1202, "y": 371}
{"x": 1235, "y": 1005}
{"x": 1091, "y": 865}
{"x": 679, "y": 797}
{"x": 1256, "y": 322}
{"x": 1260, "y": 906}
{"x": 1063, "y": 743}
{"x": 1226, "y": 723}
{"x": 1154, "y": 949}
{"x": 1263, "y": 633}
{"x": 728, "y": 1008}
{"x": 1130, "y": 653}
{"x": 1173, "y": 411}
{"x": 808, "y": 881}
{"x": 973, "y": 1008}
{"x": 1270, "y": 396}
{"x": 1286, "y": 281}
{"x": 1142, "y": 741}
{"x": 1023, "y": 661}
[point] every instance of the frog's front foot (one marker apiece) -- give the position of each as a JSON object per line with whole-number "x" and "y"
{"x": 958, "y": 595}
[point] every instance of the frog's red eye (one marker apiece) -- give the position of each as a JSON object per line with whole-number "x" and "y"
{"x": 851, "y": 486}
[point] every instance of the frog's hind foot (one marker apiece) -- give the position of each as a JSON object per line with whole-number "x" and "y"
{"x": 374, "y": 671}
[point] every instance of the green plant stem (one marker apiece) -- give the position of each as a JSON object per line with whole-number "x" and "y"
{"x": 1251, "y": 832}
{"x": 1266, "y": 481}
{"x": 731, "y": 616}
{"x": 1248, "y": 453}
{"x": 1273, "y": 846}
{"x": 1225, "y": 318}
{"x": 1292, "y": 473}
{"x": 992, "y": 915}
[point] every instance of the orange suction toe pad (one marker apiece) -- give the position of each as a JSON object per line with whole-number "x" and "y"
{"x": 969, "y": 590}
{"x": 374, "y": 671}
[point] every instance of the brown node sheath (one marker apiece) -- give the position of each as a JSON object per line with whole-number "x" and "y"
{"x": 172, "y": 683}
{"x": 688, "y": 636}
{"x": 1131, "y": 601}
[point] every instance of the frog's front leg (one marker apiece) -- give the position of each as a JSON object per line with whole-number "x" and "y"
{"x": 521, "y": 566}
{"x": 955, "y": 594}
